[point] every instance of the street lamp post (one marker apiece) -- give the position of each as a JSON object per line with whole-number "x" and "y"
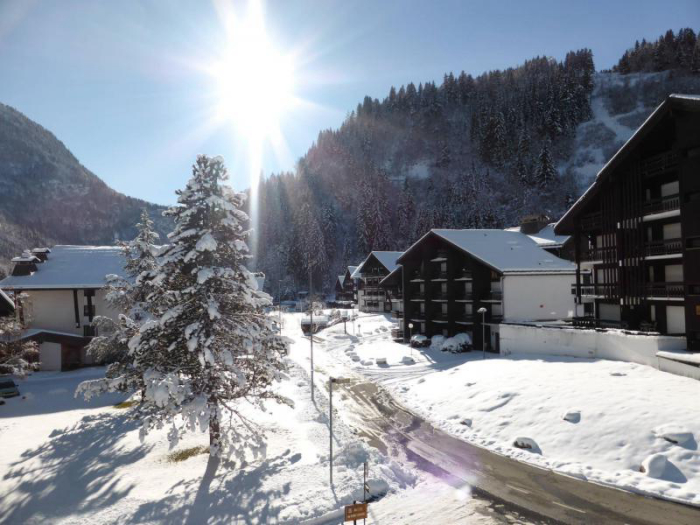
{"x": 410, "y": 335}
{"x": 311, "y": 330}
{"x": 482, "y": 311}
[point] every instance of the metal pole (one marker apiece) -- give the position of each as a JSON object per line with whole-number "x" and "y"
{"x": 330, "y": 397}
{"x": 279, "y": 301}
{"x": 483, "y": 335}
{"x": 311, "y": 330}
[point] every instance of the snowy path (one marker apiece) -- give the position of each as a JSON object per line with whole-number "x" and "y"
{"x": 621, "y": 422}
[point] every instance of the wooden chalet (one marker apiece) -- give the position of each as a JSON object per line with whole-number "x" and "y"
{"x": 637, "y": 230}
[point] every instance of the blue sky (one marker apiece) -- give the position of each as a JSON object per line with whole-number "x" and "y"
{"x": 120, "y": 83}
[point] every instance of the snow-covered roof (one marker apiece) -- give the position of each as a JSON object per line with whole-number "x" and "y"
{"x": 355, "y": 274}
{"x": 341, "y": 279}
{"x": 504, "y": 251}
{"x": 70, "y": 267}
{"x": 386, "y": 259}
{"x": 545, "y": 237}
{"x": 352, "y": 269}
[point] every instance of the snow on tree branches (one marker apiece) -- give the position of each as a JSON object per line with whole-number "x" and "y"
{"x": 211, "y": 345}
{"x": 128, "y": 296}
{"x": 17, "y": 355}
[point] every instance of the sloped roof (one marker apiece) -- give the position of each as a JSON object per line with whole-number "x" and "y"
{"x": 386, "y": 259}
{"x": 71, "y": 267}
{"x": 673, "y": 101}
{"x": 504, "y": 251}
{"x": 352, "y": 269}
{"x": 341, "y": 278}
{"x": 545, "y": 237}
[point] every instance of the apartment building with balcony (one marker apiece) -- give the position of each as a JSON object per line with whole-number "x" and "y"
{"x": 448, "y": 275}
{"x": 345, "y": 286}
{"x": 637, "y": 230}
{"x": 370, "y": 296}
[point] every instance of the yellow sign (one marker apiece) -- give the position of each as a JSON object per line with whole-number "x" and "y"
{"x": 357, "y": 511}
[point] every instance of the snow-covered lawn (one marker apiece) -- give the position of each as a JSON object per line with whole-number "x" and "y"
{"x": 64, "y": 461}
{"x": 593, "y": 419}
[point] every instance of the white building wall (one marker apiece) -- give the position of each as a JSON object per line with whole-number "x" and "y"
{"x": 50, "y": 356}
{"x": 535, "y": 297}
{"x": 611, "y": 344}
{"x": 54, "y": 310}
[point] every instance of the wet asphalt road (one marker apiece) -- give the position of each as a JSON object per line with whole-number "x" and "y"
{"x": 534, "y": 494}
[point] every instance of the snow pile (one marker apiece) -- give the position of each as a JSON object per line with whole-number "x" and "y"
{"x": 654, "y": 466}
{"x": 623, "y": 423}
{"x": 437, "y": 341}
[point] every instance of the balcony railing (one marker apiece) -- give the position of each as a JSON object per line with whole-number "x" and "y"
{"x": 418, "y": 295}
{"x": 596, "y": 290}
{"x": 662, "y": 204}
{"x": 465, "y": 296}
{"x": 494, "y": 295}
{"x": 465, "y": 318}
{"x": 598, "y": 254}
{"x": 464, "y": 274}
{"x": 664, "y": 247}
{"x": 439, "y": 316}
{"x": 439, "y": 275}
{"x": 416, "y": 275}
{"x": 439, "y": 296}
{"x": 670, "y": 290}
{"x": 592, "y": 322}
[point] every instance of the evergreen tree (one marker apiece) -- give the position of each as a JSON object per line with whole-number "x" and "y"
{"x": 211, "y": 346}
{"x": 17, "y": 356}
{"x": 406, "y": 214}
{"x": 546, "y": 172}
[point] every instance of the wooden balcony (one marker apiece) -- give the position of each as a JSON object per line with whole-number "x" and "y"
{"x": 598, "y": 254}
{"x": 494, "y": 295}
{"x": 439, "y": 276}
{"x": 665, "y": 290}
{"x": 596, "y": 290}
{"x": 662, "y": 204}
{"x": 664, "y": 247}
{"x": 464, "y": 296}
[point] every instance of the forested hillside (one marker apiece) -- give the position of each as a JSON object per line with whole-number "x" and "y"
{"x": 471, "y": 152}
{"x": 48, "y": 197}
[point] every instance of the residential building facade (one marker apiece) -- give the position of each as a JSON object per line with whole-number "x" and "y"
{"x": 345, "y": 286}
{"x": 65, "y": 291}
{"x": 449, "y": 275}
{"x": 637, "y": 230}
{"x": 370, "y": 296}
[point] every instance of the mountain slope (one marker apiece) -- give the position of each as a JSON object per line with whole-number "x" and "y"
{"x": 48, "y": 197}
{"x": 467, "y": 153}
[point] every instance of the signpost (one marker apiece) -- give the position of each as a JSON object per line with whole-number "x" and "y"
{"x": 331, "y": 382}
{"x": 356, "y": 511}
{"x": 482, "y": 311}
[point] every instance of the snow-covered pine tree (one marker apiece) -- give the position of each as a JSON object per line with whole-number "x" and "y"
{"x": 127, "y": 295}
{"x": 546, "y": 172}
{"x": 17, "y": 356}
{"x": 211, "y": 346}
{"x": 406, "y": 212}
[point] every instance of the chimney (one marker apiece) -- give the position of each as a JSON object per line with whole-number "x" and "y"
{"x": 531, "y": 224}
{"x": 25, "y": 264}
{"x": 41, "y": 253}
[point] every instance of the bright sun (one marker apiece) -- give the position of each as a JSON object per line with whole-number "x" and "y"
{"x": 254, "y": 81}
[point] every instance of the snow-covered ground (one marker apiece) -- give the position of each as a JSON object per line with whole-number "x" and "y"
{"x": 64, "y": 460}
{"x": 593, "y": 419}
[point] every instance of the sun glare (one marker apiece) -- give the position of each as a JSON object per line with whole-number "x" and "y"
{"x": 255, "y": 82}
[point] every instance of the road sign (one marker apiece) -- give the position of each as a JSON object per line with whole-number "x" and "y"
{"x": 356, "y": 511}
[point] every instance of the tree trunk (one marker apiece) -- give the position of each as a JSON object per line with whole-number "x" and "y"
{"x": 214, "y": 427}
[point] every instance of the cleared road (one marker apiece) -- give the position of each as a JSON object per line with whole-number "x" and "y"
{"x": 550, "y": 496}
